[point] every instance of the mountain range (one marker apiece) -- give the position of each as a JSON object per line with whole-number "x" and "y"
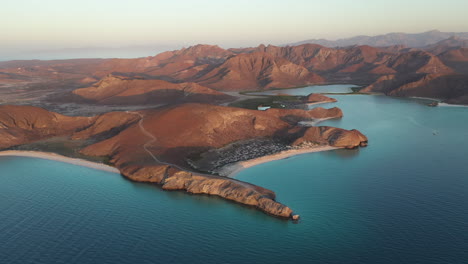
{"x": 416, "y": 40}
{"x": 201, "y": 73}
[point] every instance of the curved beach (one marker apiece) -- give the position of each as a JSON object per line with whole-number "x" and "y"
{"x": 231, "y": 170}
{"x": 60, "y": 158}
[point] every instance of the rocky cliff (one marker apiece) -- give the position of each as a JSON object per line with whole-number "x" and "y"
{"x": 335, "y": 137}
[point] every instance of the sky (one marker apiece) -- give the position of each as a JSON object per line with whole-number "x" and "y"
{"x": 29, "y": 26}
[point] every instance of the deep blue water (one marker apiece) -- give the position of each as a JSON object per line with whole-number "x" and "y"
{"x": 403, "y": 199}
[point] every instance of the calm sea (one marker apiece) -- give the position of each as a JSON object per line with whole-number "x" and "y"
{"x": 403, "y": 199}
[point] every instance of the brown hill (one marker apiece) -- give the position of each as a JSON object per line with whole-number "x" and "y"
{"x": 187, "y": 63}
{"x": 180, "y": 134}
{"x": 75, "y": 69}
{"x": 456, "y": 59}
{"x": 23, "y": 124}
{"x": 447, "y": 45}
{"x": 415, "y": 62}
{"x": 450, "y": 88}
{"x": 257, "y": 70}
{"x": 177, "y": 63}
{"x": 115, "y": 89}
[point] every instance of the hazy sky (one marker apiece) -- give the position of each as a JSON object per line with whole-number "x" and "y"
{"x": 50, "y": 24}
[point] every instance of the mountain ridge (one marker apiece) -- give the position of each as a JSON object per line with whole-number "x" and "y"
{"x": 412, "y": 40}
{"x": 267, "y": 67}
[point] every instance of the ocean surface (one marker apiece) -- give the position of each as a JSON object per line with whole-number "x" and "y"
{"x": 403, "y": 199}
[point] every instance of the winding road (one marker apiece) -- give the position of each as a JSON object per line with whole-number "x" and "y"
{"x": 154, "y": 139}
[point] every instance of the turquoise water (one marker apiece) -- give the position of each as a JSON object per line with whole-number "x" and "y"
{"x": 403, "y": 199}
{"x": 334, "y": 88}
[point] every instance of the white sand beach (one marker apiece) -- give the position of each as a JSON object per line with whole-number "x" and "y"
{"x": 60, "y": 158}
{"x": 231, "y": 170}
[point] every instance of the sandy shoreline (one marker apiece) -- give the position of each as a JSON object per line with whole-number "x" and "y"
{"x": 318, "y": 103}
{"x": 230, "y": 170}
{"x": 451, "y": 105}
{"x": 60, "y": 158}
{"x": 233, "y": 169}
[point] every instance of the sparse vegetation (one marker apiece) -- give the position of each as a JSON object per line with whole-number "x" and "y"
{"x": 357, "y": 89}
{"x": 63, "y": 146}
{"x": 278, "y": 101}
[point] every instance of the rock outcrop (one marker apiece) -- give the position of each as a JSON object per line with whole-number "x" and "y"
{"x": 173, "y": 179}
{"x": 332, "y": 136}
{"x": 316, "y": 98}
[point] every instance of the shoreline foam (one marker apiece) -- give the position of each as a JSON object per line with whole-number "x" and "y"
{"x": 231, "y": 170}
{"x": 59, "y": 158}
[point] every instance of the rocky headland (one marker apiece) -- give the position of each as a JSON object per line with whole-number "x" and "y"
{"x": 160, "y": 146}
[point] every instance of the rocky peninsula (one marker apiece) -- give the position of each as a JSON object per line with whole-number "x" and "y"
{"x": 161, "y": 146}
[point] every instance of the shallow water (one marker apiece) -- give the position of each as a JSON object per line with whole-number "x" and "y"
{"x": 402, "y": 199}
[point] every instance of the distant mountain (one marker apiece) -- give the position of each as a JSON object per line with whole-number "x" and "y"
{"x": 452, "y": 43}
{"x": 198, "y": 73}
{"x": 409, "y": 40}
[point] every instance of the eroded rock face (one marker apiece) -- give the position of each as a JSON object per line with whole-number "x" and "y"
{"x": 332, "y": 136}
{"x": 173, "y": 179}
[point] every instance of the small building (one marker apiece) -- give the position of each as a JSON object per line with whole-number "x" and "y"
{"x": 263, "y": 108}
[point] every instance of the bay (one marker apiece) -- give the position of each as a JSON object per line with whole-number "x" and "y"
{"x": 400, "y": 200}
